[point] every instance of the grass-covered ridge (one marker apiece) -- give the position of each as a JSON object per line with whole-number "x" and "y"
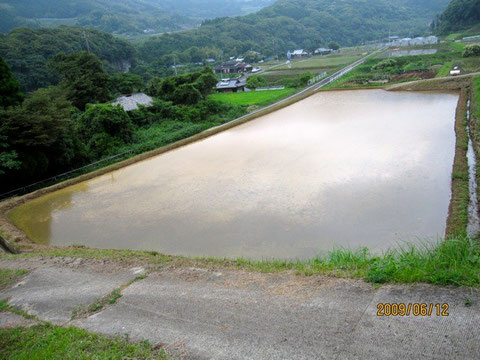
{"x": 453, "y": 261}
{"x": 457, "y": 220}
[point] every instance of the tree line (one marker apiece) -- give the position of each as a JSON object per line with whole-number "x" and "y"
{"x": 58, "y": 128}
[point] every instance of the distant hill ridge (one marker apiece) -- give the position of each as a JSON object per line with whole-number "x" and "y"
{"x": 307, "y": 24}
{"x": 122, "y": 17}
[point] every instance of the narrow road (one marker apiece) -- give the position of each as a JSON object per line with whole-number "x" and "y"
{"x": 196, "y": 313}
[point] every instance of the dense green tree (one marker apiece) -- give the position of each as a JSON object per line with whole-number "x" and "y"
{"x": 256, "y": 81}
{"x": 154, "y": 87}
{"x": 83, "y": 78}
{"x": 41, "y": 133}
{"x": 185, "y": 89}
{"x": 206, "y": 82}
{"x": 252, "y": 56}
{"x": 10, "y": 94}
{"x": 127, "y": 83}
{"x": 333, "y": 45}
{"x": 186, "y": 94}
{"x": 472, "y": 50}
{"x": 8, "y": 158}
{"x": 104, "y": 119}
{"x": 304, "y": 78}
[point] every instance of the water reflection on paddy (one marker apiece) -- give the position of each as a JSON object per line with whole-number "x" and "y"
{"x": 350, "y": 168}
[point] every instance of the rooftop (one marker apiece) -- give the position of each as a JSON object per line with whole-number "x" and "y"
{"x": 230, "y": 83}
{"x": 131, "y": 102}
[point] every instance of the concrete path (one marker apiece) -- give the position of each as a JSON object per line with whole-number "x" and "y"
{"x": 204, "y": 314}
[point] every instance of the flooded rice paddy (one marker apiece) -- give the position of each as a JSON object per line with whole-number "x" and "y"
{"x": 351, "y": 168}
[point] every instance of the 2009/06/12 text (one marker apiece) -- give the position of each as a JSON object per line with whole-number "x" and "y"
{"x": 415, "y": 309}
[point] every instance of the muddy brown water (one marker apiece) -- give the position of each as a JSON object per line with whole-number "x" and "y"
{"x": 338, "y": 169}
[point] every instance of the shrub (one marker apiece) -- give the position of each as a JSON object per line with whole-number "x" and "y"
{"x": 254, "y": 82}
{"x": 472, "y": 50}
{"x": 387, "y": 63}
{"x": 127, "y": 83}
{"x": 108, "y": 119}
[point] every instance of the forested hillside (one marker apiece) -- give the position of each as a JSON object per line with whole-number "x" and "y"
{"x": 289, "y": 24}
{"x": 129, "y": 16}
{"x": 459, "y": 15}
{"x": 121, "y": 17}
{"x": 27, "y": 51}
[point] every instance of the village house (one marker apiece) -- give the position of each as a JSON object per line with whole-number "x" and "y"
{"x": 323, "y": 51}
{"x": 297, "y": 54}
{"x": 231, "y": 85}
{"x": 230, "y": 67}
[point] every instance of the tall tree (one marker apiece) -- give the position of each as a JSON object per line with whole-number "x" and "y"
{"x": 10, "y": 94}
{"x": 83, "y": 78}
{"x": 40, "y": 133}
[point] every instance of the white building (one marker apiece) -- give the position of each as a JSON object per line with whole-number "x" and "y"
{"x": 299, "y": 53}
{"x": 418, "y": 41}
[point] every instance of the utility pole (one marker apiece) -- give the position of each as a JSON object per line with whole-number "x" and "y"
{"x": 86, "y": 41}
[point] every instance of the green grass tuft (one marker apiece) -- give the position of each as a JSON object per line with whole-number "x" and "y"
{"x": 46, "y": 341}
{"x": 9, "y": 277}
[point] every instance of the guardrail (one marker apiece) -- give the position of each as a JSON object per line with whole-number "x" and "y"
{"x": 53, "y": 179}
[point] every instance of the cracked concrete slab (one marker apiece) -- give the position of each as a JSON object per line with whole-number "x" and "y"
{"x": 53, "y": 293}
{"x": 210, "y": 314}
{"x": 226, "y": 322}
{"x": 237, "y": 317}
{"x": 456, "y": 336}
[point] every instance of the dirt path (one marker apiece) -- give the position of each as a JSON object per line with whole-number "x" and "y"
{"x": 205, "y": 314}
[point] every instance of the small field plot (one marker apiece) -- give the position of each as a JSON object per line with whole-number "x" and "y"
{"x": 260, "y": 98}
{"x": 320, "y": 62}
{"x": 381, "y": 71}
